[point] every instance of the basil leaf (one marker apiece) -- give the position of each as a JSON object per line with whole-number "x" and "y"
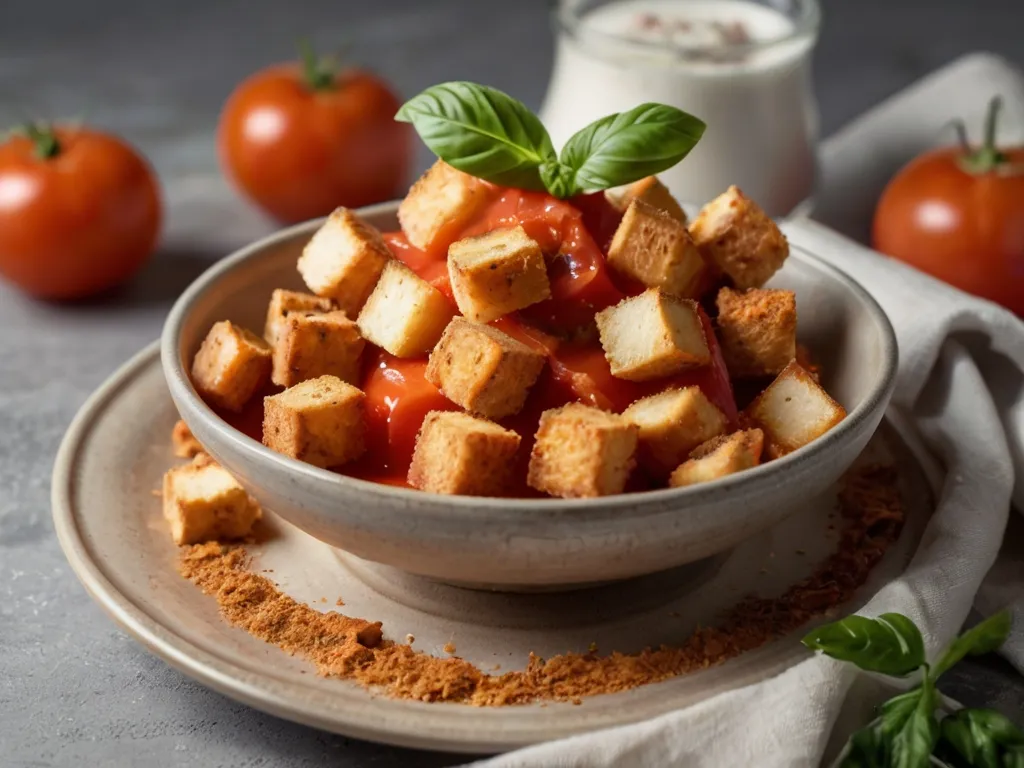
{"x": 890, "y": 644}
{"x": 481, "y": 131}
{"x": 983, "y": 738}
{"x": 624, "y": 147}
{"x": 983, "y": 638}
{"x": 902, "y": 735}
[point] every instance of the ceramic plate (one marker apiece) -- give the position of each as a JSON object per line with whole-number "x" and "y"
{"x": 110, "y": 526}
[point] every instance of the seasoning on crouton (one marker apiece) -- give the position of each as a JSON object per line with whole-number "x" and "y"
{"x": 651, "y": 191}
{"x": 183, "y": 441}
{"x": 311, "y": 345}
{"x": 439, "y": 203}
{"x": 655, "y": 249}
{"x": 757, "y": 330}
{"x": 232, "y": 364}
{"x": 497, "y": 273}
{"x": 405, "y": 314}
{"x": 719, "y": 457}
{"x": 320, "y": 421}
{"x": 652, "y": 335}
{"x": 582, "y": 452}
{"x": 343, "y": 260}
{"x": 283, "y": 303}
{"x": 483, "y": 369}
{"x": 672, "y": 423}
{"x": 203, "y": 502}
{"x": 736, "y": 236}
{"x": 459, "y": 454}
{"x": 793, "y": 411}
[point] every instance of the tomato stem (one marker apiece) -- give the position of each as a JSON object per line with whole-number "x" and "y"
{"x": 43, "y": 137}
{"x": 317, "y": 71}
{"x": 988, "y": 157}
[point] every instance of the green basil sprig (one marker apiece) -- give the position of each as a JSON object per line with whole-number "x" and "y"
{"x": 890, "y": 644}
{"x": 983, "y": 738}
{"x": 488, "y": 134}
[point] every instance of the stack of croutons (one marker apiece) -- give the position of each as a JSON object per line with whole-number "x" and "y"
{"x": 361, "y": 294}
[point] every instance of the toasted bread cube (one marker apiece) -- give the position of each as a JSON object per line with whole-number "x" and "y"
{"x": 343, "y": 260}
{"x": 651, "y": 191}
{"x": 313, "y": 345}
{"x": 793, "y": 411}
{"x": 582, "y": 452}
{"x": 757, "y": 329}
{"x": 736, "y": 236}
{"x": 405, "y": 314}
{"x": 459, "y": 454}
{"x": 672, "y": 423}
{"x": 320, "y": 421}
{"x": 203, "y": 502}
{"x": 719, "y": 457}
{"x": 440, "y": 202}
{"x": 497, "y": 273}
{"x": 283, "y": 303}
{"x": 183, "y": 441}
{"x": 652, "y": 335}
{"x": 483, "y": 369}
{"x": 232, "y": 364}
{"x": 654, "y": 249}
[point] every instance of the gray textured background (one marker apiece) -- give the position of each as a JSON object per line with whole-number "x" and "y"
{"x": 73, "y": 689}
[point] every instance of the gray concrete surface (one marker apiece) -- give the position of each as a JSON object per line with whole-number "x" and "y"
{"x": 73, "y": 689}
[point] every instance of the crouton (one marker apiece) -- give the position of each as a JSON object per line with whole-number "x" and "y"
{"x": 203, "y": 502}
{"x": 654, "y": 249}
{"x": 652, "y": 335}
{"x": 232, "y": 364}
{"x": 757, "y": 330}
{"x": 283, "y": 303}
{"x": 736, "y": 236}
{"x": 497, "y": 273}
{"x": 320, "y": 421}
{"x": 439, "y": 203}
{"x": 405, "y": 314}
{"x": 459, "y": 454}
{"x": 793, "y": 411}
{"x": 582, "y": 452}
{"x": 183, "y": 441}
{"x": 651, "y": 191}
{"x": 672, "y": 423}
{"x": 483, "y": 369}
{"x": 343, "y": 260}
{"x": 311, "y": 345}
{"x": 719, "y": 457}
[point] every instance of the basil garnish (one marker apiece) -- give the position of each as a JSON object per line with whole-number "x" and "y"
{"x": 890, "y": 644}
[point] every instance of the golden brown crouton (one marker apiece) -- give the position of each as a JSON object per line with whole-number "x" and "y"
{"x": 319, "y": 421}
{"x": 482, "y": 369}
{"x": 497, "y": 273}
{"x": 202, "y": 502}
{"x": 757, "y": 329}
{"x": 652, "y": 335}
{"x": 460, "y": 454}
{"x": 719, "y": 457}
{"x": 582, "y": 452}
{"x": 735, "y": 235}
{"x": 343, "y": 260}
{"x": 283, "y": 303}
{"x": 653, "y": 248}
{"x": 651, "y": 191}
{"x": 793, "y": 411}
{"x": 231, "y": 366}
{"x": 313, "y": 345}
{"x": 183, "y": 441}
{"x": 405, "y": 314}
{"x": 672, "y": 423}
{"x": 440, "y": 202}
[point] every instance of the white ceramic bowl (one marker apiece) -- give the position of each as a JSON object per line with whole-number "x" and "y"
{"x": 535, "y": 543}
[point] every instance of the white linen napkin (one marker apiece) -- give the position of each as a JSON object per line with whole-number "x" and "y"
{"x": 961, "y": 386}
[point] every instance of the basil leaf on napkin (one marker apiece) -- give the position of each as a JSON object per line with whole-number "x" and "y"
{"x": 982, "y": 738}
{"x": 983, "y": 638}
{"x": 890, "y": 644}
{"x": 903, "y": 735}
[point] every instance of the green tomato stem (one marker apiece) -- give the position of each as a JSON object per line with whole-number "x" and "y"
{"x": 988, "y": 157}
{"x": 316, "y": 71}
{"x": 44, "y": 140}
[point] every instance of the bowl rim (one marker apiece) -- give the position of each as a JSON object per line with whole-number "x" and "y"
{"x": 749, "y": 481}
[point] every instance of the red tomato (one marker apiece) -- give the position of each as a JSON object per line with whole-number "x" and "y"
{"x": 958, "y": 214}
{"x": 302, "y": 140}
{"x": 79, "y": 211}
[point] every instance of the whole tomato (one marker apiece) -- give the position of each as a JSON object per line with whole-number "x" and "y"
{"x": 79, "y": 211}
{"x": 958, "y": 214}
{"x": 301, "y": 140}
